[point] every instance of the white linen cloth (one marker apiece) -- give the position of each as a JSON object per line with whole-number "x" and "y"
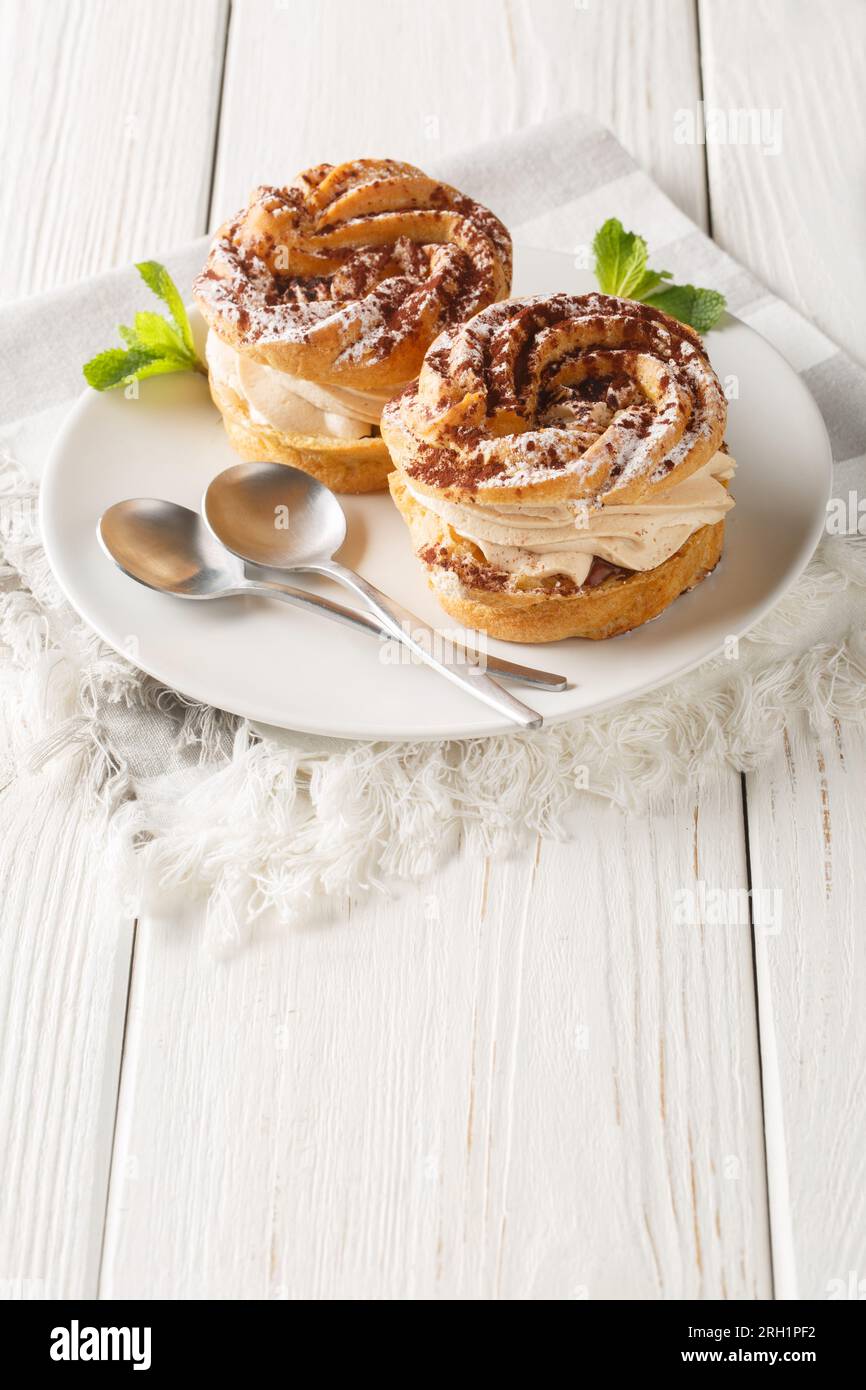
{"x": 187, "y": 794}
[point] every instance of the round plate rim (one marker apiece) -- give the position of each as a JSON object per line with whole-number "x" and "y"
{"x": 546, "y": 651}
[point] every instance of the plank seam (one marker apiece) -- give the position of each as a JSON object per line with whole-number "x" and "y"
{"x": 704, "y": 160}
{"x": 219, "y": 116}
{"x": 745, "y": 801}
{"x": 743, "y": 790}
{"x": 113, "y": 1144}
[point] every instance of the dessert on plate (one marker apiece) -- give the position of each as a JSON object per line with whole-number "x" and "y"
{"x": 321, "y": 299}
{"x": 561, "y": 466}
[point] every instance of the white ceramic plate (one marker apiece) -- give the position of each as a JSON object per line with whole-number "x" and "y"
{"x": 283, "y": 667}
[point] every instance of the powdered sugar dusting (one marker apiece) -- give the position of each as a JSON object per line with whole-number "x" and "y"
{"x": 602, "y": 391}
{"x": 357, "y": 261}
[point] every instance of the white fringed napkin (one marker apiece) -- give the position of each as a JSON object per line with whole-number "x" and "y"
{"x": 192, "y": 795}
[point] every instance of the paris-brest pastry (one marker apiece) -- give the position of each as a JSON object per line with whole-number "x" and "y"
{"x": 561, "y": 467}
{"x": 321, "y": 299}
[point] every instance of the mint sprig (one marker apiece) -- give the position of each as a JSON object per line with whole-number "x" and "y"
{"x": 621, "y": 269}
{"x": 702, "y": 309}
{"x": 154, "y": 346}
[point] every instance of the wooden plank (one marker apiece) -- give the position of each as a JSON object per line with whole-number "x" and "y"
{"x": 770, "y": 211}
{"x": 807, "y": 835}
{"x": 475, "y": 1091}
{"x": 92, "y": 97}
{"x": 306, "y": 83}
{"x": 107, "y": 118}
{"x": 64, "y": 967}
{"x": 794, "y": 217}
{"x": 525, "y": 1079}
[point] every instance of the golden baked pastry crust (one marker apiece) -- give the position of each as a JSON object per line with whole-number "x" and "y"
{"x": 617, "y": 605}
{"x": 343, "y": 279}
{"x": 589, "y": 400}
{"x": 505, "y": 408}
{"x": 347, "y": 275}
{"x": 343, "y": 465}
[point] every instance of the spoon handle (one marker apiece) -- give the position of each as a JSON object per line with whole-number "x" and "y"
{"x": 302, "y": 598}
{"x": 351, "y": 617}
{"x": 459, "y": 665}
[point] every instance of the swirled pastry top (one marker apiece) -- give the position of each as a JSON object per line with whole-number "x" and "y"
{"x": 347, "y": 275}
{"x": 555, "y": 398}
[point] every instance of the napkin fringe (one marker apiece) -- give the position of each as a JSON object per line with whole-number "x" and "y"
{"x": 303, "y": 828}
{"x": 302, "y": 835}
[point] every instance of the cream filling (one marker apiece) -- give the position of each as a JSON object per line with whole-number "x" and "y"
{"x": 290, "y": 404}
{"x": 563, "y": 538}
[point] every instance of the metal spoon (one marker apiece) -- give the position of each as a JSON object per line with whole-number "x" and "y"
{"x": 281, "y": 518}
{"x": 168, "y": 547}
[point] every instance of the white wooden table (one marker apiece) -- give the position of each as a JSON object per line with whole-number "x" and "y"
{"x": 522, "y": 1080}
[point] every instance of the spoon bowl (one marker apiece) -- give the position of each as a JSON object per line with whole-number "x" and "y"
{"x": 280, "y": 518}
{"x": 169, "y": 548}
{"x": 274, "y": 516}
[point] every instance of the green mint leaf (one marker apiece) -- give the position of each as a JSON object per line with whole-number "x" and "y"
{"x": 699, "y": 308}
{"x": 155, "y": 333}
{"x": 153, "y": 346}
{"x": 620, "y": 258}
{"x": 708, "y": 309}
{"x": 157, "y": 278}
{"x": 152, "y": 333}
{"x": 161, "y": 366}
{"x": 115, "y": 367}
{"x": 649, "y": 282}
{"x": 621, "y": 269}
{"x": 676, "y": 300}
